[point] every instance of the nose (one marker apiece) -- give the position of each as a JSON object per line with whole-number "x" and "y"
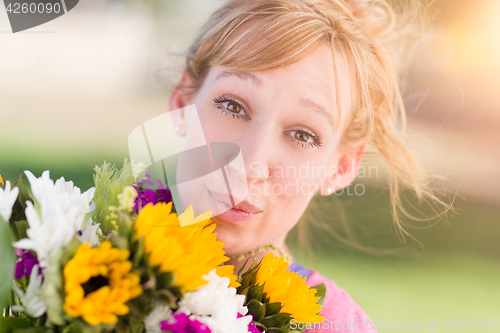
{"x": 257, "y": 151}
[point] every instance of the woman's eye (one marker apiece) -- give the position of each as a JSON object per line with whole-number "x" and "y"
{"x": 233, "y": 106}
{"x": 229, "y": 106}
{"x": 304, "y": 138}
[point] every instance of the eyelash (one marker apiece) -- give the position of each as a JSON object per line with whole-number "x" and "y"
{"x": 318, "y": 142}
{"x": 222, "y": 99}
{"x": 224, "y": 111}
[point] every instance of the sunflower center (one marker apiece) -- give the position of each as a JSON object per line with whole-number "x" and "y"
{"x": 94, "y": 283}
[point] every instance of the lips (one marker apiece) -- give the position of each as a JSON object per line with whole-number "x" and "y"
{"x": 242, "y": 212}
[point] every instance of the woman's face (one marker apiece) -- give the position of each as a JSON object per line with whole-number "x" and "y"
{"x": 283, "y": 121}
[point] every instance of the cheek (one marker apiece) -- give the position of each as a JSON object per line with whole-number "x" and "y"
{"x": 288, "y": 194}
{"x": 300, "y": 178}
{"x": 290, "y": 191}
{"x": 217, "y": 128}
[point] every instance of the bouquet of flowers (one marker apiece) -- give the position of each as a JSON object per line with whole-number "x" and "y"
{"x": 116, "y": 259}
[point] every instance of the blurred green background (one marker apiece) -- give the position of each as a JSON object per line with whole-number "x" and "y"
{"x": 73, "y": 89}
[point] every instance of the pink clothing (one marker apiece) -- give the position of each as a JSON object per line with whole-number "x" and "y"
{"x": 341, "y": 313}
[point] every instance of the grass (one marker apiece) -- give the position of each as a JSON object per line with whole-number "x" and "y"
{"x": 436, "y": 287}
{"x": 77, "y": 165}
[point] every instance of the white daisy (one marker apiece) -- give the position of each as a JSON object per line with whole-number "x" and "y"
{"x": 91, "y": 234}
{"x": 33, "y": 302}
{"x": 152, "y": 321}
{"x": 63, "y": 209}
{"x": 8, "y": 197}
{"x": 216, "y": 305}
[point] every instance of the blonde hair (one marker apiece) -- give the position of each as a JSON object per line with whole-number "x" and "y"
{"x": 370, "y": 37}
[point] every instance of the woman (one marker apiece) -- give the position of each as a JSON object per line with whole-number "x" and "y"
{"x": 297, "y": 85}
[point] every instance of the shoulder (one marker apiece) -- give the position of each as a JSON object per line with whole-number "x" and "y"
{"x": 340, "y": 311}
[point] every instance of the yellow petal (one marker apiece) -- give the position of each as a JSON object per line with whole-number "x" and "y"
{"x": 228, "y": 271}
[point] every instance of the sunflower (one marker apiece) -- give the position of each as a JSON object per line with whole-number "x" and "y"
{"x": 275, "y": 296}
{"x": 289, "y": 289}
{"x": 98, "y": 282}
{"x": 1, "y": 180}
{"x": 228, "y": 271}
{"x": 186, "y": 252}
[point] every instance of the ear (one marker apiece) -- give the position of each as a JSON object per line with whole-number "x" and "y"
{"x": 179, "y": 99}
{"x": 345, "y": 169}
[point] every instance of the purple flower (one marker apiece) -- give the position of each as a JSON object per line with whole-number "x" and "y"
{"x": 145, "y": 196}
{"x": 180, "y": 323}
{"x": 149, "y": 196}
{"x": 25, "y": 266}
{"x": 164, "y": 195}
{"x": 253, "y": 329}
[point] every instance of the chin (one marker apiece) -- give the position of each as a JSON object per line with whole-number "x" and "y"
{"x": 236, "y": 241}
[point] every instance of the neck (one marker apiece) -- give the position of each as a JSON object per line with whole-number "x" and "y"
{"x": 239, "y": 260}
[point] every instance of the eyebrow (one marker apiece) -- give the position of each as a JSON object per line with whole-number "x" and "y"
{"x": 319, "y": 109}
{"x": 241, "y": 75}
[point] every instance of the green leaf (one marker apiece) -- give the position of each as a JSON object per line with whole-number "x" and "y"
{"x": 166, "y": 296}
{"x": 255, "y": 292}
{"x": 163, "y": 280}
{"x": 243, "y": 292}
{"x": 125, "y": 225}
{"x": 321, "y": 292}
{"x": 242, "y": 267}
{"x": 7, "y": 263}
{"x": 71, "y": 328}
{"x": 138, "y": 253}
{"x": 23, "y": 192}
{"x": 273, "y": 308}
{"x": 53, "y": 291}
{"x": 278, "y": 330}
{"x": 20, "y": 203}
{"x": 109, "y": 182}
{"x": 83, "y": 327}
{"x": 119, "y": 242}
{"x": 20, "y": 228}
{"x": 136, "y": 325}
{"x": 34, "y": 330}
{"x": 9, "y": 324}
{"x": 265, "y": 298}
{"x": 277, "y": 320}
{"x": 261, "y": 327}
{"x": 256, "y": 309}
{"x": 249, "y": 278}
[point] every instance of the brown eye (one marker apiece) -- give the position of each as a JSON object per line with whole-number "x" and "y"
{"x": 302, "y": 136}
{"x": 233, "y": 107}
{"x": 229, "y": 106}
